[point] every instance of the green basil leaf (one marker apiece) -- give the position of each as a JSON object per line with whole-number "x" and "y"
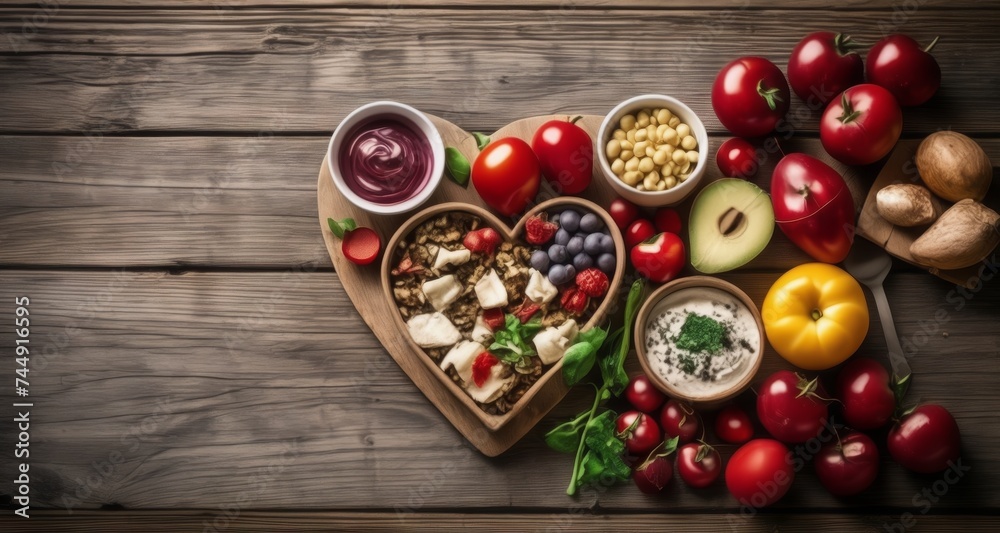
{"x": 457, "y": 166}
{"x": 341, "y": 227}
{"x": 481, "y": 139}
{"x": 564, "y": 438}
{"x": 577, "y": 362}
{"x": 594, "y": 336}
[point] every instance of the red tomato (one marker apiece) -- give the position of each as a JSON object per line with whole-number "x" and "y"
{"x": 750, "y": 95}
{"x": 642, "y": 438}
{"x": 623, "y": 212}
{"x": 678, "y": 419}
{"x": 823, "y": 65}
{"x": 862, "y": 125}
{"x": 639, "y": 231}
{"x": 737, "y": 159}
{"x": 698, "y": 464}
{"x": 813, "y": 207}
{"x": 760, "y": 473}
{"x": 925, "y": 440}
{"x": 659, "y": 259}
{"x": 643, "y": 395}
{"x": 791, "y": 408}
{"x": 910, "y": 73}
{"x": 361, "y": 246}
{"x": 653, "y": 475}
{"x": 849, "y": 466}
{"x": 733, "y": 425}
{"x": 566, "y": 155}
{"x": 864, "y": 391}
{"x": 506, "y": 175}
{"x": 667, "y": 219}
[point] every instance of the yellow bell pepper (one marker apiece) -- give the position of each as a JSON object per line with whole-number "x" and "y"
{"x": 815, "y": 316}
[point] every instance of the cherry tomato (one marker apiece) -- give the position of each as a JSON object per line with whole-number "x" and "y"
{"x": 642, "y": 438}
{"x": 667, "y": 219}
{"x": 862, "y": 125}
{"x": 660, "y": 258}
{"x": 639, "y": 231}
{"x": 506, "y": 175}
{"x": 791, "y": 408}
{"x": 733, "y": 425}
{"x": 750, "y": 95}
{"x": 926, "y": 440}
{"x": 910, "y": 73}
{"x": 652, "y": 476}
{"x": 698, "y": 464}
{"x": 759, "y": 473}
{"x": 623, "y": 212}
{"x": 823, "y": 65}
{"x": 737, "y": 159}
{"x": 678, "y": 419}
{"x": 849, "y": 466}
{"x": 361, "y": 246}
{"x": 643, "y": 395}
{"x": 865, "y": 393}
{"x": 566, "y": 155}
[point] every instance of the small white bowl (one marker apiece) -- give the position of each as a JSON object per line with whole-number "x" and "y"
{"x": 687, "y": 116}
{"x": 386, "y": 109}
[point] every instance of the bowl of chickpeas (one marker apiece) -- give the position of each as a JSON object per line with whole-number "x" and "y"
{"x": 652, "y": 150}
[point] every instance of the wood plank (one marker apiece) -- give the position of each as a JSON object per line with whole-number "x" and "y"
{"x": 202, "y": 201}
{"x": 183, "y": 70}
{"x": 577, "y": 519}
{"x": 225, "y": 6}
{"x": 195, "y": 384}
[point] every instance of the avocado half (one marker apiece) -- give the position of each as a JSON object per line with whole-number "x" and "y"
{"x": 731, "y": 223}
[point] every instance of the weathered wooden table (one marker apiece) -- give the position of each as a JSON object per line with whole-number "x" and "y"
{"x": 195, "y": 361}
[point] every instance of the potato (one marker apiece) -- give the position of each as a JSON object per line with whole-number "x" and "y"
{"x": 962, "y": 236}
{"x": 954, "y": 167}
{"x": 905, "y": 204}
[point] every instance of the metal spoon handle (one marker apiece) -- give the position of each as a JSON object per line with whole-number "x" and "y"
{"x": 900, "y": 366}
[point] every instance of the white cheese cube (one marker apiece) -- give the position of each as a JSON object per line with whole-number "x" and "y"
{"x": 552, "y": 343}
{"x": 540, "y": 290}
{"x": 442, "y": 292}
{"x": 447, "y": 257}
{"x": 493, "y": 388}
{"x": 481, "y": 332}
{"x": 490, "y": 291}
{"x": 461, "y": 358}
{"x": 433, "y": 330}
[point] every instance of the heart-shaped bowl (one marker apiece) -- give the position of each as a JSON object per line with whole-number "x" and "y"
{"x": 550, "y": 384}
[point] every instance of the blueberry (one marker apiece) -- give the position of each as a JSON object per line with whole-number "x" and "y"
{"x": 570, "y": 220}
{"x": 557, "y": 253}
{"x": 562, "y": 237}
{"x": 591, "y": 222}
{"x": 575, "y": 245}
{"x": 607, "y": 263}
{"x": 607, "y": 244}
{"x": 592, "y": 244}
{"x": 570, "y": 272}
{"x": 558, "y": 275}
{"x": 582, "y": 261}
{"x": 540, "y": 261}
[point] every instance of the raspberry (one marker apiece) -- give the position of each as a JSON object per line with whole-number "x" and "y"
{"x": 482, "y": 367}
{"x": 527, "y": 310}
{"x": 574, "y": 301}
{"x": 592, "y": 282}
{"x": 539, "y": 230}
{"x": 494, "y": 318}
{"x": 482, "y": 240}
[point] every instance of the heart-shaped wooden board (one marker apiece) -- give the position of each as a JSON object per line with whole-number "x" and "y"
{"x": 364, "y": 286}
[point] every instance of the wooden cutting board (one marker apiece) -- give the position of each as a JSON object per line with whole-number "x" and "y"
{"x": 896, "y": 240}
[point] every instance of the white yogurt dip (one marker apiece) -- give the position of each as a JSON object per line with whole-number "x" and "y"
{"x": 702, "y": 341}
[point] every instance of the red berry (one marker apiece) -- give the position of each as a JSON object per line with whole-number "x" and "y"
{"x": 482, "y": 240}
{"x": 361, "y": 246}
{"x": 494, "y": 318}
{"x": 623, "y": 212}
{"x": 639, "y": 231}
{"x": 482, "y": 367}
{"x": 574, "y": 301}
{"x": 538, "y": 230}
{"x": 667, "y": 219}
{"x": 592, "y": 282}
{"x": 527, "y": 310}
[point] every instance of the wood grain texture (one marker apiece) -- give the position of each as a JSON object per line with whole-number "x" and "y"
{"x": 212, "y": 201}
{"x": 170, "y": 521}
{"x": 209, "y": 387}
{"x": 226, "y": 6}
{"x": 249, "y": 70}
